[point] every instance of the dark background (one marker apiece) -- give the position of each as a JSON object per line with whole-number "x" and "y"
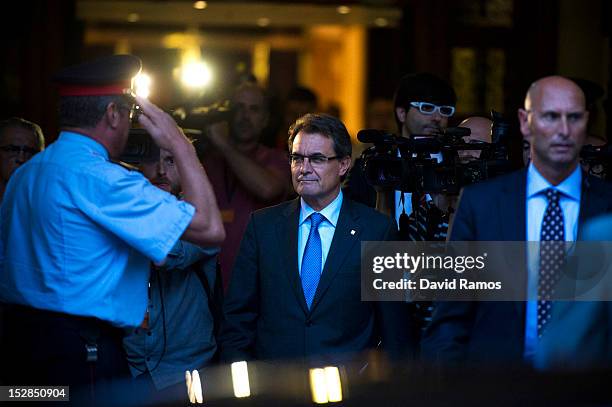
{"x": 535, "y": 38}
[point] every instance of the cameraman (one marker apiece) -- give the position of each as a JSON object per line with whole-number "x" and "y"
{"x": 245, "y": 174}
{"x": 423, "y": 104}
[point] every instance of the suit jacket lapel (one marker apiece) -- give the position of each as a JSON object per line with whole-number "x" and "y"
{"x": 345, "y": 236}
{"x": 513, "y": 208}
{"x": 287, "y": 233}
{"x": 513, "y": 214}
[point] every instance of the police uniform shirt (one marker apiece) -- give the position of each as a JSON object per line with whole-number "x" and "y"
{"x": 79, "y": 232}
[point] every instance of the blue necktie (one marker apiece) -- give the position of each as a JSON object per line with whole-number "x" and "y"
{"x": 312, "y": 259}
{"x": 552, "y": 256}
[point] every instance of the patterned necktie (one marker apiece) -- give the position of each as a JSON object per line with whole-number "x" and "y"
{"x": 552, "y": 256}
{"x": 312, "y": 259}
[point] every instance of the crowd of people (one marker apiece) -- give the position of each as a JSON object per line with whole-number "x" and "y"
{"x": 250, "y": 252}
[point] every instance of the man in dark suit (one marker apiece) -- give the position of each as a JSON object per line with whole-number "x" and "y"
{"x": 295, "y": 288}
{"x": 517, "y": 207}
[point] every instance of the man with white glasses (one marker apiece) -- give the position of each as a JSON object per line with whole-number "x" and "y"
{"x": 423, "y": 104}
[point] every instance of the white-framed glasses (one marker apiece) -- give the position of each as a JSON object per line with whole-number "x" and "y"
{"x": 430, "y": 108}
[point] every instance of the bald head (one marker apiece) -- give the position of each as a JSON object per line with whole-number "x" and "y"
{"x": 553, "y": 87}
{"x": 480, "y": 131}
{"x": 554, "y": 123}
{"x": 480, "y": 128}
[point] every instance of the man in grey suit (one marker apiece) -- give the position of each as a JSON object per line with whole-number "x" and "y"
{"x": 295, "y": 291}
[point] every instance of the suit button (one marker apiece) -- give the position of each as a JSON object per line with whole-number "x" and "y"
{"x": 309, "y": 323}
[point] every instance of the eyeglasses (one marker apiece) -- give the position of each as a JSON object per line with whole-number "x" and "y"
{"x": 430, "y": 108}
{"x": 316, "y": 160}
{"x": 134, "y": 108}
{"x": 130, "y": 109}
{"x": 13, "y": 150}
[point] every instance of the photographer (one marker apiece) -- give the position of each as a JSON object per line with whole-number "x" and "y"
{"x": 245, "y": 174}
{"x": 423, "y": 104}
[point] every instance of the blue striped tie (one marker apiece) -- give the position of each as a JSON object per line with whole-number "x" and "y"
{"x": 312, "y": 259}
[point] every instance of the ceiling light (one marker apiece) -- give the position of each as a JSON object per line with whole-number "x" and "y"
{"x": 263, "y": 21}
{"x": 142, "y": 85}
{"x": 343, "y": 9}
{"x": 381, "y": 22}
{"x": 196, "y": 74}
{"x": 200, "y": 5}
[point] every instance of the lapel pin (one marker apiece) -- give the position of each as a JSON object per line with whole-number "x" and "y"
{"x": 353, "y": 232}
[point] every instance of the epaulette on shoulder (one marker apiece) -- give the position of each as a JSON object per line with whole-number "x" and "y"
{"x": 125, "y": 165}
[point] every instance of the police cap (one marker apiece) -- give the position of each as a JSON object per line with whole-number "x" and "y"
{"x": 105, "y": 76}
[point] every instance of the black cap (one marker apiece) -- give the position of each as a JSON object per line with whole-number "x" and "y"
{"x": 424, "y": 87}
{"x": 104, "y": 76}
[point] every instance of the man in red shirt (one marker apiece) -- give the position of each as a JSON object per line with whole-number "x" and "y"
{"x": 245, "y": 174}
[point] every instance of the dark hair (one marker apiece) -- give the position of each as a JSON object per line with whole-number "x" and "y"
{"x": 303, "y": 94}
{"x": 86, "y": 111}
{"x": 26, "y": 125}
{"x": 422, "y": 87}
{"x": 326, "y": 125}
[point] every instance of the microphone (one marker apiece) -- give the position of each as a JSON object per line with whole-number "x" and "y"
{"x": 375, "y": 136}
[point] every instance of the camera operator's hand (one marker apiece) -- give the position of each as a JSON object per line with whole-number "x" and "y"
{"x": 161, "y": 126}
{"x": 265, "y": 182}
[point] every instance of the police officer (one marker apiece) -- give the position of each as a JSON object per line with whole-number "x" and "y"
{"x": 78, "y": 231}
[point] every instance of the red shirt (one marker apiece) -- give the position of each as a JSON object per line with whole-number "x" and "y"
{"x": 236, "y": 203}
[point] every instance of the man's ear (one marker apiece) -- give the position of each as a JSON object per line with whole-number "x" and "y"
{"x": 400, "y": 113}
{"x": 345, "y": 165}
{"x": 112, "y": 115}
{"x": 523, "y": 117}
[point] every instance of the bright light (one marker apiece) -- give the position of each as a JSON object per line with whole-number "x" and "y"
{"x": 240, "y": 379}
{"x": 334, "y": 385}
{"x": 381, "y": 22}
{"x": 325, "y": 385}
{"x": 263, "y": 21}
{"x": 196, "y": 75}
{"x": 343, "y": 9}
{"x": 200, "y": 5}
{"x": 318, "y": 386}
{"x": 197, "y": 386}
{"x": 142, "y": 85}
{"x": 194, "y": 387}
{"x": 133, "y": 17}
